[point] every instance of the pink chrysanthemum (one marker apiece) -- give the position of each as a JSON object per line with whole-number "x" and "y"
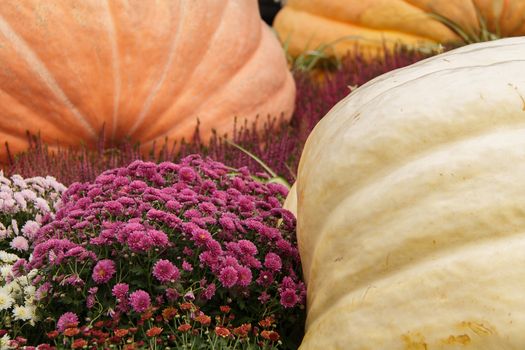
{"x": 139, "y": 241}
{"x": 273, "y": 262}
{"x": 165, "y": 271}
{"x": 67, "y": 320}
{"x": 201, "y": 237}
{"x": 247, "y": 247}
{"x": 228, "y": 276}
{"x": 140, "y": 300}
{"x": 244, "y": 275}
{"x": 186, "y": 266}
{"x": 120, "y": 290}
{"x": 209, "y": 292}
{"x": 103, "y": 271}
{"x": 159, "y": 238}
{"x": 20, "y": 243}
{"x": 289, "y": 298}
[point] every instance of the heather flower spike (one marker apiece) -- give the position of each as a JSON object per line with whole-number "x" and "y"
{"x": 274, "y": 177}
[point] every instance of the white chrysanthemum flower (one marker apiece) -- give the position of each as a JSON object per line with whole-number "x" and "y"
{"x": 19, "y": 181}
{"x": 23, "y": 281}
{"x": 5, "y": 191}
{"x": 20, "y": 200}
{"x": 8, "y": 257}
{"x": 6, "y": 300}
{"x": 4, "y": 342}
{"x": 5, "y": 271}
{"x": 30, "y": 229}
{"x": 22, "y": 313}
{"x": 29, "y": 291}
{"x": 32, "y": 274}
{"x": 9, "y": 205}
{"x": 38, "y": 189}
{"x": 3, "y": 179}
{"x": 42, "y": 204}
{"x": 28, "y": 194}
{"x": 13, "y": 287}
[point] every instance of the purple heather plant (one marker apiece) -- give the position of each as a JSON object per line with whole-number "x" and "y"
{"x": 279, "y": 144}
{"x": 152, "y": 235}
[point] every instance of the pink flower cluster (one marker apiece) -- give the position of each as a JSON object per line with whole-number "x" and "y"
{"x": 150, "y": 234}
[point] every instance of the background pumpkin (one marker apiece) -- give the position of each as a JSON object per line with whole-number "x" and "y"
{"x": 373, "y": 24}
{"x": 410, "y": 205}
{"x": 144, "y": 69}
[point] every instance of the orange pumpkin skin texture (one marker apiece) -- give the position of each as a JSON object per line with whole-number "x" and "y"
{"x": 374, "y": 24}
{"x": 146, "y": 70}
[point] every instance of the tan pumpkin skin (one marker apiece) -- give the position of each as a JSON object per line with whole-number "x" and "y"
{"x": 410, "y": 205}
{"x": 145, "y": 69}
{"x": 374, "y": 24}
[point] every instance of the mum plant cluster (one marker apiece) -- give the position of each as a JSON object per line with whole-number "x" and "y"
{"x": 194, "y": 254}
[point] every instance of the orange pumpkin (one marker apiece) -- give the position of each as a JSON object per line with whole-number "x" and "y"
{"x": 374, "y": 24}
{"x": 142, "y": 69}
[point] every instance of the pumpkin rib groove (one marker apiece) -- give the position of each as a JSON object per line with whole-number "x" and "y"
{"x": 39, "y": 67}
{"x": 217, "y": 90}
{"x": 441, "y": 263}
{"x": 163, "y": 75}
{"x": 374, "y": 101}
{"x": 356, "y": 25}
{"x": 367, "y": 38}
{"x": 112, "y": 33}
{"x": 44, "y": 122}
{"x": 380, "y": 167}
{"x": 279, "y": 90}
{"x": 382, "y": 270}
{"x": 228, "y": 124}
{"x": 218, "y": 85}
{"x": 196, "y": 62}
{"x": 377, "y": 83}
{"x": 402, "y": 210}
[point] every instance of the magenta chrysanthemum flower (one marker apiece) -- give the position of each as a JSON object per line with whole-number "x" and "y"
{"x": 187, "y": 174}
{"x": 159, "y": 238}
{"x": 289, "y": 298}
{"x": 120, "y": 290}
{"x": 172, "y": 294}
{"x": 139, "y": 300}
{"x": 247, "y": 247}
{"x": 209, "y": 292}
{"x": 139, "y": 241}
{"x": 228, "y": 276}
{"x": 273, "y": 262}
{"x": 165, "y": 271}
{"x": 201, "y": 236}
{"x": 244, "y": 275}
{"x": 186, "y": 266}
{"x": 264, "y": 298}
{"x": 19, "y": 268}
{"x": 67, "y": 320}
{"x": 103, "y": 271}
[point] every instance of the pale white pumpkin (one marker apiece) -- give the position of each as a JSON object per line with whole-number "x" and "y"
{"x": 410, "y": 201}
